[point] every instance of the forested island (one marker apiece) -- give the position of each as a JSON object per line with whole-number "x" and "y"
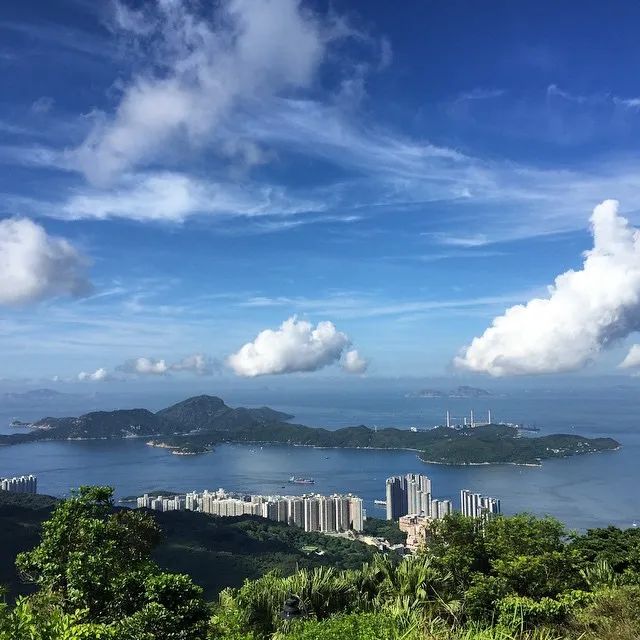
{"x": 198, "y": 424}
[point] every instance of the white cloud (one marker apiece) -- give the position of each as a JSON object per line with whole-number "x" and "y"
{"x": 196, "y": 363}
{"x": 354, "y": 363}
{"x": 296, "y": 346}
{"x": 202, "y": 69}
{"x": 99, "y": 375}
{"x": 145, "y": 366}
{"x": 632, "y": 359}
{"x": 43, "y": 104}
{"x": 585, "y": 311}
{"x": 480, "y": 94}
{"x": 475, "y": 240}
{"x": 172, "y": 197}
{"x": 35, "y": 265}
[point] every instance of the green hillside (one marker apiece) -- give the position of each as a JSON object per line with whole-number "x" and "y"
{"x": 99, "y": 574}
{"x": 216, "y": 552}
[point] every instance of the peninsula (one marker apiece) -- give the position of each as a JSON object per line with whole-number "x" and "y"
{"x": 198, "y": 424}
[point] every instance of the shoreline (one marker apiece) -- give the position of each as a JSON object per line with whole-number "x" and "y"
{"x": 536, "y": 465}
{"x": 175, "y": 449}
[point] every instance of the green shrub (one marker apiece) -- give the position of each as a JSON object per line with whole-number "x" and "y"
{"x": 361, "y": 626}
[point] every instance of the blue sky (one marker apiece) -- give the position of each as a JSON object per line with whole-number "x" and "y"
{"x": 198, "y": 173}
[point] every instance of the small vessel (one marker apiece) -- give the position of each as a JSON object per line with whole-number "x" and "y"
{"x": 380, "y": 503}
{"x": 19, "y": 423}
{"x": 297, "y": 480}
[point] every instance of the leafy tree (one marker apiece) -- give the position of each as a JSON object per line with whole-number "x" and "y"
{"x": 619, "y": 548}
{"x": 87, "y": 548}
{"x": 94, "y": 563}
{"x": 458, "y": 546}
{"x": 40, "y": 618}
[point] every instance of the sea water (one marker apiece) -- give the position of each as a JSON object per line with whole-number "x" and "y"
{"x": 583, "y": 491}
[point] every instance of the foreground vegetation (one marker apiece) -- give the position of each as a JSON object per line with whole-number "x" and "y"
{"x": 215, "y": 552}
{"x": 512, "y": 578}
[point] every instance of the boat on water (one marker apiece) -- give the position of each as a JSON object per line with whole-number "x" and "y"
{"x": 19, "y": 423}
{"x": 297, "y": 480}
{"x": 380, "y": 503}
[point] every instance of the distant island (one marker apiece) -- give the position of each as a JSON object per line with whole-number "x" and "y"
{"x": 34, "y": 395}
{"x": 198, "y": 424}
{"x": 463, "y": 391}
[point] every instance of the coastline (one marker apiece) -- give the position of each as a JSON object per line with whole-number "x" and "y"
{"x": 179, "y": 450}
{"x": 483, "y": 464}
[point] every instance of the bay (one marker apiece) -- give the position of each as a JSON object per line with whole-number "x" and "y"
{"x": 583, "y": 491}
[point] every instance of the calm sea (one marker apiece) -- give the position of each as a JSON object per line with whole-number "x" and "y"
{"x": 585, "y": 491}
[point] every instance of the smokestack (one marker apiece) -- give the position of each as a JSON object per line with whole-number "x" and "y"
{"x": 489, "y": 418}
{"x": 448, "y": 420}
{"x": 473, "y": 424}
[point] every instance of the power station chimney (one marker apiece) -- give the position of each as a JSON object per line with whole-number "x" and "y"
{"x": 473, "y": 424}
{"x": 448, "y": 420}
{"x": 489, "y": 417}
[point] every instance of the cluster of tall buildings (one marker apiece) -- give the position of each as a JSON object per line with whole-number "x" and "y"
{"x": 409, "y": 502}
{"x": 474, "y": 505}
{"x": 161, "y": 503}
{"x": 20, "y": 484}
{"x": 411, "y": 495}
{"x": 311, "y": 512}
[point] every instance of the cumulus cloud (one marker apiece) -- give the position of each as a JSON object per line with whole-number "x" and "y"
{"x": 632, "y": 359}
{"x": 145, "y": 366}
{"x": 201, "y": 70}
{"x": 35, "y": 265}
{"x": 354, "y": 363}
{"x": 196, "y": 363}
{"x": 585, "y": 311}
{"x": 99, "y": 375}
{"x": 296, "y": 346}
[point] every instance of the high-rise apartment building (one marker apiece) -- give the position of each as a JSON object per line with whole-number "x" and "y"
{"x": 440, "y": 508}
{"x": 327, "y": 509}
{"x": 474, "y": 505}
{"x": 356, "y": 514}
{"x": 311, "y": 513}
{"x": 396, "y": 494}
{"x": 20, "y": 484}
{"x": 343, "y": 515}
{"x": 408, "y": 494}
{"x": 295, "y": 512}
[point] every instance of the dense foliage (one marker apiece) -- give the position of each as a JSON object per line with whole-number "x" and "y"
{"x": 216, "y": 552}
{"x": 509, "y": 578}
{"x": 386, "y": 529}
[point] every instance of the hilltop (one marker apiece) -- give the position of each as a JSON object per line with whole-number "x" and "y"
{"x": 200, "y": 413}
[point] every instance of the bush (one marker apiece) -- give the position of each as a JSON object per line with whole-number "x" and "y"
{"x": 363, "y": 626}
{"x": 613, "y": 614}
{"x": 522, "y": 611}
